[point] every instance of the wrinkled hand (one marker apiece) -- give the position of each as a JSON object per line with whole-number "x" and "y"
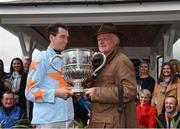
{"x": 90, "y": 91}
{"x": 64, "y": 93}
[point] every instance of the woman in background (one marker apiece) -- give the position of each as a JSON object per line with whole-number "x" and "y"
{"x": 16, "y": 71}
{"x": 167, "y": 85}
{"x": 18, "y": 82}
{"x": 144, "y": 80}
{"x": 146, "y": 113}
{"x": 176, "y": 66}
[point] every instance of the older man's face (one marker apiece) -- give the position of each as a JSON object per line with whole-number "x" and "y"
{"x": 26, "y": 65}
{"x": 8, "y": 100}
{"x": 170, "y": 105}
{"x": 107, "y": 42}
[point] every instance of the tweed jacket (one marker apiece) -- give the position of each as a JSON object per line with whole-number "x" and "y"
{"x": 105, "y": 99}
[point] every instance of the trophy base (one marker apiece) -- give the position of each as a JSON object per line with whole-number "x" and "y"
{"x": 77, "y": 91}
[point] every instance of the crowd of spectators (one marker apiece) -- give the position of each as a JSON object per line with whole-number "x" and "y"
{"x": 155, "y": 98}
{"x": 13, "y": 85}
{"x": 157, "y": 105}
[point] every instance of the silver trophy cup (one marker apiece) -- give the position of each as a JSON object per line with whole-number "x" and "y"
{"x": 77, "y": 66}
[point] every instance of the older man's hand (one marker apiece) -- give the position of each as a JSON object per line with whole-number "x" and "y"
{"x": 90, "y": 91}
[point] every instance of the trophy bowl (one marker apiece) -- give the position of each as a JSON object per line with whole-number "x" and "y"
{"x": 77, "y": 66}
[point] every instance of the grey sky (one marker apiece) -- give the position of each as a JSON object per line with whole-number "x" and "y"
{"x": 176, "y": 50}
{"x": 9, "y": 47}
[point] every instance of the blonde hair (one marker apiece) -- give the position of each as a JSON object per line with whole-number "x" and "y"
{"x": 146, "y": 92}
{"x": 176, "y": 62}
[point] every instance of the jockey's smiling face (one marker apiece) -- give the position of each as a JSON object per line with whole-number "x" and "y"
{"x": 59, "y": 40}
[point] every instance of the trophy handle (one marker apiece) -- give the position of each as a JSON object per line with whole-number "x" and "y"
{"x": 104, "y": 61}
{"x": 51, "y": 62}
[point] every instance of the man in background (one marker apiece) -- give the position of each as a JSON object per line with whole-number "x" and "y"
{"x": 27, "y": 104}
{"x": 26, "y": 64}
{"x": 166, "y": 119}
{"x": 9, "y": 112}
